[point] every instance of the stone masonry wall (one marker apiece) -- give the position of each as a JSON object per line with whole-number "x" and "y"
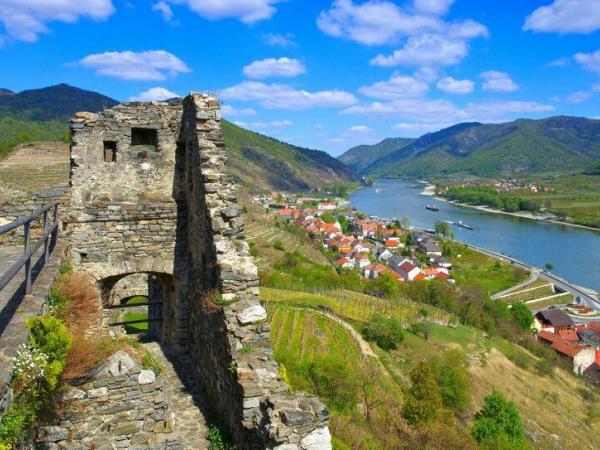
{"x": 175, "y": 215}
{"x": 119, "y": 406}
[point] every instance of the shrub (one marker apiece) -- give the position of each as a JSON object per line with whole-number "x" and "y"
{"x": 333, "y": 380}
{"x": 85, "y": 353}
{"x": 387, "y": 333}
{"x": 521, "y": 315}
{"x": 498, "y": 423}
{"x": 423, "y": 401}
{"x": 50, "y": 335}
{"x": 278, "y": 245}
{"x": 83, "y": 306}
{"x": 452, "y": 376}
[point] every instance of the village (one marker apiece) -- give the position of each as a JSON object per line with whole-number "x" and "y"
{"x": 375, "y": 246}
{"x": 370, "y": 245}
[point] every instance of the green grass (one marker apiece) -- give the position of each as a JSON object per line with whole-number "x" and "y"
{"x": 529, "y": 293}
{"x": 135, "y": 328}
{"x": 475, "y": 268}
{"x": 16, "y": 131}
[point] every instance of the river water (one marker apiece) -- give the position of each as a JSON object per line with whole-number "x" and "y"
{"x": 574, "y": 252}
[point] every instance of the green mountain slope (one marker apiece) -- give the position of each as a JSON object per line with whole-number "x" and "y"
{"x": 260, "y": 162}
{"x": 362, "y": 156}
{"x": 256, "y": 161}
{"x": 523, "y": 147}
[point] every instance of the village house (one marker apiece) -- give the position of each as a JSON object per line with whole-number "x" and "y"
{"x": 429, "y": 247}
{"x": 383, "y": 254}
{"x": 581, "y": 355}
{"x": 327, "y": 206}
{"x": 393, "y": 243}
{"x": 345, "y": 263}
{"x": 404, "y": 267}
{"x": 553, "y": 320}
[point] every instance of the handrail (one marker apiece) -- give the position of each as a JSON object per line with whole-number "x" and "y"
{"x": 48, "y": 239}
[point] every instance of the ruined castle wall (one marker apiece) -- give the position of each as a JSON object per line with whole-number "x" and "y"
{"x": 174, "y": 214}
{"x": 229, "y": 332}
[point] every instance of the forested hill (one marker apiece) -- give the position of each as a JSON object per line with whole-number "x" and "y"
{"x": 522, "y": 147}
{"x": 258, "y": 162}
{"x": 261, "y": 162}
{"x": 58, "y": 102}
{"x": 362, "y": 156}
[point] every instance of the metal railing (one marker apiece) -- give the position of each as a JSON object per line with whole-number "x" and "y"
{"x": 48, "y": 240}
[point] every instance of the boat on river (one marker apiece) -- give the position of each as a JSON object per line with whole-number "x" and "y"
{"x": 464, "y": 225}
{"x": 432, "y": 208}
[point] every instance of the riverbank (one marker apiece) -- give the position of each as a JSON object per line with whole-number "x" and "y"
{"x": 521, "y": 214}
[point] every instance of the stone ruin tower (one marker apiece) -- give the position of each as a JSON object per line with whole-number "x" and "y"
{"x": 151, "y": 195}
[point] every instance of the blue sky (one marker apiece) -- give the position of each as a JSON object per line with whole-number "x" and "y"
{"x": 326, "y": 74}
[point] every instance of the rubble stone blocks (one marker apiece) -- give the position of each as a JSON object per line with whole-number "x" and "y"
{"x": 150, "y": 194}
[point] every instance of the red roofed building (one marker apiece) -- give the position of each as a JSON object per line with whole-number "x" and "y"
{"x": 392, "y": 243}
{"x": 345, "y": 263}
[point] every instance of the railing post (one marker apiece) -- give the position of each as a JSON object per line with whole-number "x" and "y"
{"x": 55, "y": 232}
{"x": 47, "y": 240}
{"x": 26, "y": 237}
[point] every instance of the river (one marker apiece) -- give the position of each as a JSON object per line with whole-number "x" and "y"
{"x": 574, "y": 252}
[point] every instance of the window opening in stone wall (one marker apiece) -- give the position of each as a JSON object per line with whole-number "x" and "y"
{"x": 110, "y": 151}
{"x": 145, "y": 137}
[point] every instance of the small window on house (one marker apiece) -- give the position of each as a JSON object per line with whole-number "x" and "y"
{"x": 146, "y": 137}
{"x": 110, "y": 151}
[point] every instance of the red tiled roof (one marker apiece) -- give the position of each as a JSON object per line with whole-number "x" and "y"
{"x": 566, "y": 348}
{"x": 568, "y": 334}
{"x": 547, "y": 336}
{"x": 343, "y": 261}
{"x": 407, "y": 266}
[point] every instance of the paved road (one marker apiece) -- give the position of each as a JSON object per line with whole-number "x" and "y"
{"x": 562, "y": 284}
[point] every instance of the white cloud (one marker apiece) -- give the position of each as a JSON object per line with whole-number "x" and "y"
{"x": 425, "y": 50}
{"x": 590, "y": 61}
{"x": 495, "y": 110}
{"x": 419, "y": 127}
{"x": 165, "y": 11}
{"x": 280, "y": 40}
{"x": 565, "y": 16}
{"x": 453, "y": 86}
{"x": 360, "y": 129}
{"x": 247, "y": 11}
{"x": 560, "y": 62}
{"x": 498, "y": 81}
{"x": 271, "y": 67}
{"x": 398, "y": 86}
{"x": 438, "y": 111}
{"x": 154, "y": 94}
{"x": 143, "y": 66}
{"x": 431, "y": 41}
{"x": 286, "y": 97}
{"x": 271, "y": 125}
{"x": 25, "y": 20}
{"x": 596, "y": 87}
{"x": 579, "y": 97}
{"x": 230, "y": 111}
{"x": 374, "y": 22}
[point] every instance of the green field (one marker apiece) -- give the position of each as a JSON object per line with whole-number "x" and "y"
{"x": 474, "y": 268}
{"x": 135, "y": 328}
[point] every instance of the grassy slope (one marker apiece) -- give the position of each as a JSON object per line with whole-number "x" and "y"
{"x": 263, "y": 163}
{"x": 16, "y": 131}
{"x": 300, "y": 334}
{"x": 474, "y": 268}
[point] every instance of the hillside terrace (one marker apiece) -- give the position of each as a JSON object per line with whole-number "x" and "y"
{"x": 369, "y": 245}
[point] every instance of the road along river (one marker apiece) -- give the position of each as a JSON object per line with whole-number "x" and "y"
{"x": 574, "y": 252}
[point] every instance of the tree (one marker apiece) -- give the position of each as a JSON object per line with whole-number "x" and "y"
{"x": 443, "y": 228}
{"x": 497, "y": 423}
{"x": 423, "y": 402}
{"x": 549, "y": 266}
{"x": 327, "y": 218}
{"x": 386, "y": 332}
{"x": 522, "y": 315}
{"x": 384, "y": 285}
{"x": 452, "y": 376}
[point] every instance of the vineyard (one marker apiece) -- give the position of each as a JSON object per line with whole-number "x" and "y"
{"x": 355, "y": 306}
